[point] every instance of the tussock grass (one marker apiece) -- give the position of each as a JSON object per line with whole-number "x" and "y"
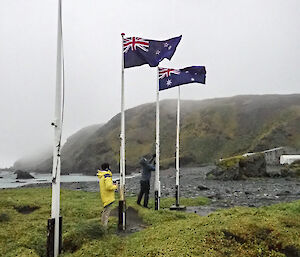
{"x": 268, "y": 231}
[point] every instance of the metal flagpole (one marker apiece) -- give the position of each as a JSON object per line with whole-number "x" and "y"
{"x": 54, "y": 224}
{"x": 122, "y": 205}
{"x": 177, "y": 205}
{"x": 157, "y": 182}
{"x": 177, "y": 148}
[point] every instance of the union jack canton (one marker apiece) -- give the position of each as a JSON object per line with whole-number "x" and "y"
{"x": 169, "y": 78}
{"x": 138, "y": 51}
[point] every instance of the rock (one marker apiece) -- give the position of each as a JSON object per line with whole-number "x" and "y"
{"x": 239, "y": 167}
{"x": 23, "y": 174}
{"x": 253, "y": 166}
{"x": 202, "y": 188}
{"x": 224, "y": 174}
{"x": 283, "y": 193}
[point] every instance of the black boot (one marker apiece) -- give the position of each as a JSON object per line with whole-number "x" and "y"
{"x": 140, "y": 196}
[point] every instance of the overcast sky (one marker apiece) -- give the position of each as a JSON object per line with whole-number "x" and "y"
{"x": 248, "y": 47}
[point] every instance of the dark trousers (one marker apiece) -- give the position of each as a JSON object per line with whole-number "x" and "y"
{"x": 145, "y": 188}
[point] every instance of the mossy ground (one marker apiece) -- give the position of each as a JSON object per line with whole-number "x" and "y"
{"x": 268, "y": 231}
{"x": 230, "y": 162}
{"x": 295, "y": 167}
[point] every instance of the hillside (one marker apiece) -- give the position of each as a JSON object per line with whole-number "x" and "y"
{"x": 210, "y": 129}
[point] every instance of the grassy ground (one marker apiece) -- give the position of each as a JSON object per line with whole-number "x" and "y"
{"x": 268, "y": 231}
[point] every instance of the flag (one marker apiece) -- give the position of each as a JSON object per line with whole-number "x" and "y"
{"x": 174, "y": 77}
{"x": 138, "y": 51}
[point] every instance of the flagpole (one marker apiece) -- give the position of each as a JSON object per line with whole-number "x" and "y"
{"x": 177, "y": 205}
{"x": 122, "y": 206}
{"x": 157, "y": 182}
{"x": 54, "y": 237}
{"x": 177, "y": 148}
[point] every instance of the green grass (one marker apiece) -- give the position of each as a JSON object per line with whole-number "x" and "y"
{"x": 267, "y": 231}
{"x": 230, "y": 162}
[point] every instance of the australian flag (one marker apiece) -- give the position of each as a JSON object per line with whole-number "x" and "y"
{"x": 175, "y": 77}
{"x": 138, "y": 51}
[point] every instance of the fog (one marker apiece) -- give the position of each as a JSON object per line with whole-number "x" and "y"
{"x": 248, "y": 47}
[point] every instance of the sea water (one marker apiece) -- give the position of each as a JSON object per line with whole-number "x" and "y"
{"x": 9, "y": 180}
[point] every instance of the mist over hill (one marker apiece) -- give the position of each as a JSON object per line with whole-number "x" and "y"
{"x": 42, "y": 162}
{"x": 210, "y": 129}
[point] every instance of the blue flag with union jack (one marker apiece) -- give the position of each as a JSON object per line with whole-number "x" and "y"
{"x": 175, "y": 77}
{"x": 138, "y": 51}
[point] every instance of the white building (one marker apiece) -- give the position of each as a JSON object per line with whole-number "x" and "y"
{"x": 289, "y": 159}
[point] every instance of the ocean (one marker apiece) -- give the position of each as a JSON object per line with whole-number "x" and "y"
{"x": 8, "y": 179}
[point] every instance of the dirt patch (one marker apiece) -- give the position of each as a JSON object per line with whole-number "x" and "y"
{"x": 26, "y": 209}
{"x": 229, "y": 236}
{"x": 291, "y": 251}
{"x": 4, "y": 217}
{"x": 134, "y": 222}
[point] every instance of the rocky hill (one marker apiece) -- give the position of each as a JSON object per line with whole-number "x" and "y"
{"x": 210, "y": 129}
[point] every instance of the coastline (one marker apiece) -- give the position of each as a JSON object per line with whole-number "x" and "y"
{"x": 254, "y": 192}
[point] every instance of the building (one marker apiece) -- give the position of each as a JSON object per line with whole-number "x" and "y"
{"x": 289, "y": 159}
{"x": 272, "y": 156}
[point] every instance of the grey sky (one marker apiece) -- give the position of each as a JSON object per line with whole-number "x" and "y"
{"x": 248, "y": 47}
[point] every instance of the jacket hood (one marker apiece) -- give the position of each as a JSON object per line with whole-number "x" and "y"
{"x": 143, "y": 161}
{"x": 101, "y": 173}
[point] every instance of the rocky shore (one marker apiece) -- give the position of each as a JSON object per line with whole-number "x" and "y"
{"x": 252, "y": 192}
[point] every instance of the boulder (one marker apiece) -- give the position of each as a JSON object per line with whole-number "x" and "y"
{"x": 202, "y": 188}
{"x": 239, "y": 167}
{"x": 253, "y": 166}
{"x": 23, "y": 174}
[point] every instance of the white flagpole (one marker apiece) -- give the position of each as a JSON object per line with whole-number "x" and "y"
{"x": 157, "y": 182}
{"x": 177, "y": 205}
{"x": 122, "y": 208}
{"x": 55, "y": 210}
{"x": 177, "y": 148}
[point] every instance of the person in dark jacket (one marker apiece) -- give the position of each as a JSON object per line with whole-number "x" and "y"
{"x": 147, "y": 168}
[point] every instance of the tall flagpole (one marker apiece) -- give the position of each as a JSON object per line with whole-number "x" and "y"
{"x": 122, "y": 206}
{"x": 177, "y": 148}
{"x": 177, "y": 206}
{"x": 157, "y": 182}
{"x": 54, "y": 244}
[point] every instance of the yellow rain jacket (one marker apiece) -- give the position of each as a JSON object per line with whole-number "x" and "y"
{"x": 107, "y": 188}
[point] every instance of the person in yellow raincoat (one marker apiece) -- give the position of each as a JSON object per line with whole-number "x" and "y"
{"x": 107, "y": 191}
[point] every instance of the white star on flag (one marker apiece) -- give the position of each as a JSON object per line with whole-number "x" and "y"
{"x": 169, "y": 47}
{"x": 192, "y": 79}
{"x": 157, "y": 52}
{"x": 169, "y": 82}
{"x": 166, "y": 44}
{"x": 187, "y": 72}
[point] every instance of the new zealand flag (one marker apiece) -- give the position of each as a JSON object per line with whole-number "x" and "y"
{"x": 171, "y": 77}
{"x": 138, "y": 51}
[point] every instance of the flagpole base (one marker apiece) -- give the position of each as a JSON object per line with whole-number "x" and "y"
{"x": 50, "y": 237}
{"x": 178, "y": 208}
{"x": 157, "y": 200}
{"x": 177, "y": 195}
{"x": 122, "y": 216}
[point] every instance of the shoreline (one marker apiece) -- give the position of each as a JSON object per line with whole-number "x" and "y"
{"x": 254, "y": 192}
